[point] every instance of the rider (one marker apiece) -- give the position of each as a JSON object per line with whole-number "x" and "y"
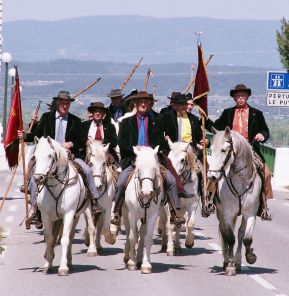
{"x": 251, "y": 124}
{"x": 183, "y": 126}
{"x": 143, "y": 129}
{"x": 100, "y": 128}
{"x": 65, "y": 128}
{"x": 117, "y": 108}
{"x": 171, "y": 106}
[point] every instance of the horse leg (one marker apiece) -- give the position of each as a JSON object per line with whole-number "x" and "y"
{"x": 98, "y": 226}
{"x": 71, "y": 237}
{"x": 131, "y": 264}
{"x": 140, "y": 247}
{"x": 146, "y": 266}
{"x": 177, "y": 243}
{"x": 49, "y": 240}
{"x": 126, "y": 226}
{"x": 228, "y": 238}
{"x": 162, "y": 225}
{"x": 251, "y": 257}
{"x": 90, "y": 233}
{"x": 67, "y": 226}
{"x": 189, "y": 243}
{"x": 170, "y": 235}
{"x": 238, "y": 254}
{"x": 109, "y": 237}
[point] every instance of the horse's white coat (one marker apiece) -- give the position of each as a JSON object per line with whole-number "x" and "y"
{"x": 51, "y": 158}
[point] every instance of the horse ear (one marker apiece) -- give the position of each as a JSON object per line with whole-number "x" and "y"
{"x": 228, "y": 132}
{"x": 105, "y": 147}
{"x": 136, "y": 150}
{"x": 36, "y": 140}
{"x": 156, "y": 150}
{"x": 49, "y": 140}
{"x": 171, "y": 144}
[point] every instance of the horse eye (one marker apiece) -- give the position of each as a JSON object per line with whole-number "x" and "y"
{"x": 182, "y": 161}
{"x": 223, "y": 150}
{"x": 90, "y": 164}
{"x": 50, "y": 156}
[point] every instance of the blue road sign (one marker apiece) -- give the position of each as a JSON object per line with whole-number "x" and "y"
{"x": 278, "y": 81}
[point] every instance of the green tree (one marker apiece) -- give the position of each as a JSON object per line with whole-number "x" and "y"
{"x": 283, "y": 43}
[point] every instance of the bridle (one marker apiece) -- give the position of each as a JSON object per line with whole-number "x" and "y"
{"x": 185, "y": 172}
{"x": 228, "y": 178}
{"x": 140, "y": 197}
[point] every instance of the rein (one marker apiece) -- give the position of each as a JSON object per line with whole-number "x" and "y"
{"x": 103, "y": 179}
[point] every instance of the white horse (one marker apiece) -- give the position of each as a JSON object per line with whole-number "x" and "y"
{"x": 105, "y": 184}
{"x": 239, "y": 185}
{"x": 143, "y": 197}
{"x": 187, "y": 167}
{"x": 62, "y": 196}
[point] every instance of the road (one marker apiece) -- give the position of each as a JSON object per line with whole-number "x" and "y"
{"x": 195, "y": 271}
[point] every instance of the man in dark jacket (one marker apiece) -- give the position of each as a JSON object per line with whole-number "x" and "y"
{"x": 117, "y": 108}
{"x": 100, "y": 128}
{"x": 65, "y": 128}
{"x": 142, "y": 129}
{"x": 250, "y": 123}
{"x": 171, "y": 106}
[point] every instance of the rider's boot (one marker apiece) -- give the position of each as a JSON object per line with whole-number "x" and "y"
{"x": 34, "y": 219}
{"x": 96, "y": 209}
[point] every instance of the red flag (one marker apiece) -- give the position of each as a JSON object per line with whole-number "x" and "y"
{"x": 201, "y": 89}
{"x": 15, "y": 123}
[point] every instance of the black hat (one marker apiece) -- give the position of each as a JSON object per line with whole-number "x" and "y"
{"x": 239, "y": 88}
{"x": 96, "y": 105}
{"x": 64, "y": 94}
{"x": 180, "y": 99}
{"x": 174, "y": 94}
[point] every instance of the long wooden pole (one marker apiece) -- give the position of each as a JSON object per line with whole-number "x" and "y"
{"x": 130, "y": 74}
{"x": 147, "y": 80}
{"x": 194, "y": 78}
{"x": 204, "y": 155}
{"x": 24, "y": 176}
{"x": 86, "y": 88}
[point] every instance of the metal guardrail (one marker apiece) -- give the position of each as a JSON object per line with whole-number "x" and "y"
{"x": 268, "y": 151}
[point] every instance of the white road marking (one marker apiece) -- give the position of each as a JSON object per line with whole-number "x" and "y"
{"x": 9, "y": 219}
{"x": 280, "y": 294}
{"x": 12, "y": 208}
{"x": 259, "y": 279}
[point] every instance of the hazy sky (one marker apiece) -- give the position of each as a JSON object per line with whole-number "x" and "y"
{"x": 220, "y": 9}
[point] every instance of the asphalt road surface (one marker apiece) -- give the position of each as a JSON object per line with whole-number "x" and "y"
{"x": 195, "y": 271}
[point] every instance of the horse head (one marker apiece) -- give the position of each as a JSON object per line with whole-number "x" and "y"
{"x": 222, "y": 156}
{"x": 49, "y": 158}
{"x": 147, "y": 171}
{"x": 179, "y": 155}
{"x": 96, "y": 159}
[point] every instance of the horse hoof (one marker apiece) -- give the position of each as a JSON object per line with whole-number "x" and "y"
{"x": 63, "y": 272}
{"x": 131, "y": 267}
{"x": 110, "y": 239}
{"x": 170, "y": 253}
{"x": 91, "y": 254}
{"x": 164, "y": 248}
{"x": 178, "y": 250}
{"x": 251, "y": 258}
{"x": 138, "y": 265}
{"x": 125, "y": 260}
{"x": 225, "y": 264}
{"x": 230, "y": 271}
{"x": 189, "y": 245}
{"x": 146, "y": 270}
{"x": 46, "y": 270}
{"x": 238, "y": 267}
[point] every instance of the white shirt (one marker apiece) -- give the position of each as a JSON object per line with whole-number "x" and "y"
{"x": 64, "y": 123}
{"x": 92, "y": 130}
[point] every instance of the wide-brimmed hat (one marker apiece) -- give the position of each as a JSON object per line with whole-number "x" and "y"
{"x": 129, "y": 96}
{"x": 239, "y": 88}
{"x": 114, "y": 93}
{"x": 142, "y": 95}
{"x": 174, "y": 94}
{"x": 64, "y": 94}
{"x": 96, "y": 105}
{"x": 180, "y": 99}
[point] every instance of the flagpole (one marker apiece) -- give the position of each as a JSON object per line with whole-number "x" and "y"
{"x": 24, "y": 176}
{"x": 147, "y": 80}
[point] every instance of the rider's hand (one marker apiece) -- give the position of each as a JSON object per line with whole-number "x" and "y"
{"x": 21, "y": 134}
{"x": 205, "y": 143}
{"x": 34, "y": 117}
{"x": 67, "y": 145}
{"x": 259, "y": 138}
{"x": 167, "y": 138}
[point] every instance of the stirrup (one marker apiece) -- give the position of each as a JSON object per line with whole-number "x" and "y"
{"x": 22, "y": 189}
{"x": 266, "y": 215}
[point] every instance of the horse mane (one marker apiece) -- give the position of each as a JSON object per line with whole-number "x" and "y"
{"x": 60, "y": 152}
{"x": 97, "y": 149}
{"x": 241, "y": 146}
